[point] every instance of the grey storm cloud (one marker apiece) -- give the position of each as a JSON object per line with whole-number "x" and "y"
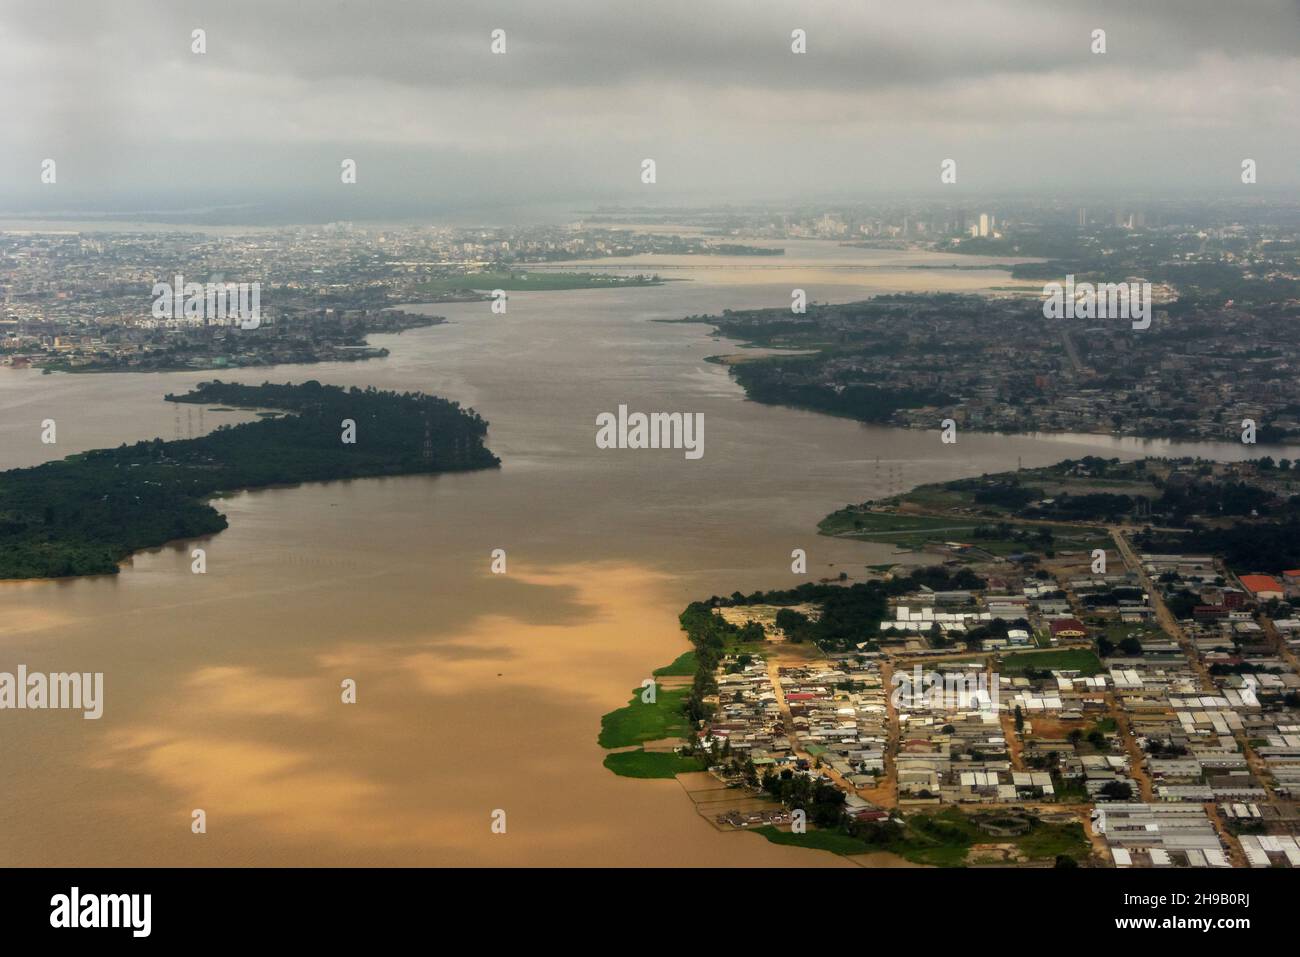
{"x": 709, "y": 88}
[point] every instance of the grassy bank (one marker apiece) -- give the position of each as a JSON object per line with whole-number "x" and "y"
{"x": 651, "y": 764}
{"x": 916, "y": 531}
{"x": 638, "y": 722}
{"x": 939, "y": 839}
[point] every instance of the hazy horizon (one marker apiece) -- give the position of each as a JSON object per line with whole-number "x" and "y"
{"x": 436, "y": 122}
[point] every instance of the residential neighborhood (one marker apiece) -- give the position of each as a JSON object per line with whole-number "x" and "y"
{"x": 1065, "y": 694}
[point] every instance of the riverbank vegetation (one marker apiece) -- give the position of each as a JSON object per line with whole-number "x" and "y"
{"x": 947, "y": 838}
{"x": 84, "y": 514}
{"x": 531, "y": 281}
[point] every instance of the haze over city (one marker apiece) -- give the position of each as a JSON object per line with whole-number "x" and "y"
{"x": 435, "y": 121}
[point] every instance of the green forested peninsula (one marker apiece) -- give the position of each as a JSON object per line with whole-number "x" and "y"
{"x": 84, "y": 514}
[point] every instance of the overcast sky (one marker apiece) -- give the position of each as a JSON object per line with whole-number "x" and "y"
{"x": 708, "y": 88}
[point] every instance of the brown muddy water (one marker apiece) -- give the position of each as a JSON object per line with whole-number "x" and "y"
{"x": 475, "y": 691}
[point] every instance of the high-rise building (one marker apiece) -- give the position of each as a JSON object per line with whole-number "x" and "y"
{"x": 984, "y": 224}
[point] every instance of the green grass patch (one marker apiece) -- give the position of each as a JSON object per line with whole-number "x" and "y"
{"x": 1117, "y": 631}
{"x": 942, "y": 839}
{"x": 891, "y": 524}
{"x": 734, "y": 648}
{"x": 937, "y": 497}
{"x": 916, "y": 531}
{"x": 684, "y": 666}
{"x": 651, "y": 764}
{"x": 1080, "y": 659}
{"x": 817, "y": 840}
{"x": 1069, "y": 790}
{"x": 1049, "y": 841}
{"x": 637, "y": 722}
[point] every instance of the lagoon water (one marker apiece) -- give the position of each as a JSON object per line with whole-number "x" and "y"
{"x": 475, "y": 692}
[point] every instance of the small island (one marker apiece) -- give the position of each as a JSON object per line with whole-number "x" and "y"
{"x": 478, "y": 285}
{"x": 84, "y": 514}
